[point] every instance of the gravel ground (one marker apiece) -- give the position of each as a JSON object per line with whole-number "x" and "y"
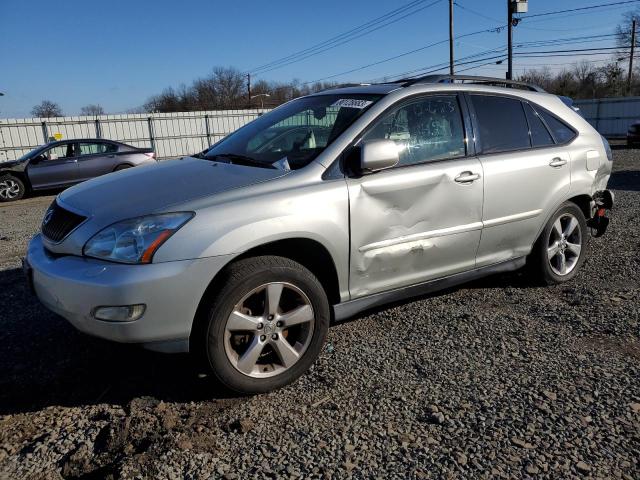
{"x": 495, "y": 379}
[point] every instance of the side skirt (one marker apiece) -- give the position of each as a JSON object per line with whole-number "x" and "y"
{"x": 344, "y": 310}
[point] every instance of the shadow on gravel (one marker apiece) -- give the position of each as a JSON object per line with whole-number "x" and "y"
{"x": 44, "y": 361}
{"x": 517, "y": 279}
{"x": 628, "y": 180}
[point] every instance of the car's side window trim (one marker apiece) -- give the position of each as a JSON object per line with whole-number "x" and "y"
{"x": 466, "y": 125}
{"x": 544, "y": 124}
{"x": 529, "y": 125}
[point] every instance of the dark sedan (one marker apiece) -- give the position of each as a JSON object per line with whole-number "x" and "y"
{"x": 65, "y": 163}
{"x": 633, "y": 134}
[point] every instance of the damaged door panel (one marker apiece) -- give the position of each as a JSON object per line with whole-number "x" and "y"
{"x": 413, "y": 224}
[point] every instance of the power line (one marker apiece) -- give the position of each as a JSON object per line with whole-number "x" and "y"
{"x": 602, "y": 5}
{"x": 403, "y": 54}
{"x": 575, "y": 50}
{"x": 357, "y": 32}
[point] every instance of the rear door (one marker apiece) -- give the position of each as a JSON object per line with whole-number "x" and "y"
{"x": 526, "y": 175}
{"x": 96, "y": 158}
{"x": 57, "y": 166}
{"x": 421, "y": 219}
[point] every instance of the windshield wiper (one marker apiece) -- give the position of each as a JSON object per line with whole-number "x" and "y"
{"x": 236, "y": 159}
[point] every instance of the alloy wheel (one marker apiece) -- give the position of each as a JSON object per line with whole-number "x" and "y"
{"x": 269, "y": 330}
{"x": 9, "y": 189}
{"x": 565, "y": 244}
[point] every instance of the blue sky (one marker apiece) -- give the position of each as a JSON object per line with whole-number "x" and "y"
{"x": 117, "y": 53}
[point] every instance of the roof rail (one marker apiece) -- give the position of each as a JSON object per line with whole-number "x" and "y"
{"x": 496, "y": 82}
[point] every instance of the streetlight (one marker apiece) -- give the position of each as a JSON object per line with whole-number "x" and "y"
{"x": 261, "y": 95}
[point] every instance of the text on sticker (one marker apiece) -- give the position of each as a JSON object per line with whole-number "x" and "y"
{"x": 351, "y": 103}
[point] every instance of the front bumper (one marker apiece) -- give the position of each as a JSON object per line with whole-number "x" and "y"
{"x": 74, "y": 286}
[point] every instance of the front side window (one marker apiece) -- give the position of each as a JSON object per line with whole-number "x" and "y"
{"x": 291, "y": 136}
{"x": 425, "y": 130}
{"x": 502, "y": 124}
{"x": 64, "y": 150}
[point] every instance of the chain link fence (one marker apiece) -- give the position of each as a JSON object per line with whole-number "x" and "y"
{"x": 170, "y": 135}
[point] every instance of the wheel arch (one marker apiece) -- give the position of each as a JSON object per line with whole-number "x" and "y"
{"x": 309, "y": 253}
{"x": 123, "y": 164}
{"x": 22, "y": 175}
{"x": 582, "y": 201}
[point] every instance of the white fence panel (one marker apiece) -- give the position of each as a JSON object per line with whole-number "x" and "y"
{"x": 611, "y": 116}
{"x": 170, "y": 134}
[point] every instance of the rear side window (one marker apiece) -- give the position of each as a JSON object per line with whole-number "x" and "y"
{"x": 95, "y": 148}
{"x": 503, "y": 126}
{"x": 540, "y": 136}
{"x": 561, "y": 132}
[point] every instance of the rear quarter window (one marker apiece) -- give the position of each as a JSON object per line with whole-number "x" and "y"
{"x": 560, "y": 131}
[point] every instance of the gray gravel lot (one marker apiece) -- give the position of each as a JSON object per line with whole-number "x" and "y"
{"x": 495, "y": 379}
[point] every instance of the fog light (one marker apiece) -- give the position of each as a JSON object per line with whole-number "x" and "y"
{"x": 124, "y": 313}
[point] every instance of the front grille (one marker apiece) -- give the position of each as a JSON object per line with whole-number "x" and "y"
{"x": 58, "y": 222}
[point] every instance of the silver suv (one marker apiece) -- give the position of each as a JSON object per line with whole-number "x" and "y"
{"x": 329, "y": 205}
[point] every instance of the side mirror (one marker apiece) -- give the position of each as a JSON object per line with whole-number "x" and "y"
{"x": 377, "y": 155}
{"x": 37, "y": 159}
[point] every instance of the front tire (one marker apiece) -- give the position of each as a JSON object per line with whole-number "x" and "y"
{"x": 561, "y": 248}
{"x": 266, "y": 325}
{"x": 11, "y": 188}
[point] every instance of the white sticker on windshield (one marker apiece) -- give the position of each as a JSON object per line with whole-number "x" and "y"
{"x": 351, "y": 103}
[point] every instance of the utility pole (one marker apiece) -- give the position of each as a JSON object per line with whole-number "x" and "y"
{"x": 510, "y": 39}
{"x": 633, "y": 44}
{"x": 249, "y": 88}
{"x": 451, "y": 37}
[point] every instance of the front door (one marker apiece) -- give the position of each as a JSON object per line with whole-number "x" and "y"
{"x": 56, "y": 167}
{"x": 421, "y": 219}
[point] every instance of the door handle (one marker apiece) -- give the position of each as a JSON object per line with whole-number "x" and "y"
{"x": 467, "y": 177}
{"x": 557, "y": 162}
{"x": 75, "y": 160}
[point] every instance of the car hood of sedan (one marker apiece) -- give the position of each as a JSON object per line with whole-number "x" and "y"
{"x": 149, "y": 189}
{"x": 13, "y": 165}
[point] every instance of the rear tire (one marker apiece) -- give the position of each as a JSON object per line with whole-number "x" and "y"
{"x": 124, "y": 166}
{"x": 11, "y": 188}
{"x": 562, "y": 246}
{"x": 266, "y": 324}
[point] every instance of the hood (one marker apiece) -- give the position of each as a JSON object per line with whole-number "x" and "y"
{"x": 14, "y": 165}
{"x": 151, "y": 188}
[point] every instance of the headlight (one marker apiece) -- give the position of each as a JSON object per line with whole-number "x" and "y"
{"x": 135, "y": 240}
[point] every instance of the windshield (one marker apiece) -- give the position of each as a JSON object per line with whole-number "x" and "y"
{"x": 291, "y": 136}
{"x": 33, "y": 153}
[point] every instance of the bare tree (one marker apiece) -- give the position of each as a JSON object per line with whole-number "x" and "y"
{"x": 623, "y": 30}
{"x": 92, "y": 110}
{"x": 47, "y": 109}
{"x": 226, "y": 88}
